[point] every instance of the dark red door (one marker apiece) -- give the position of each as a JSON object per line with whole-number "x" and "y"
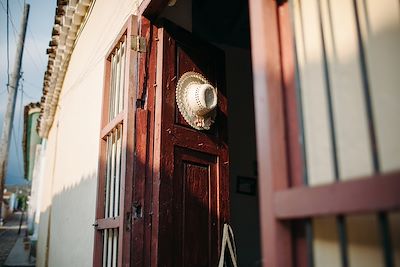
{"x": 194, "y": 183}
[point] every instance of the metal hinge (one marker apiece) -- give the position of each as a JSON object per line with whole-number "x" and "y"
{"x": 138, "y": 43}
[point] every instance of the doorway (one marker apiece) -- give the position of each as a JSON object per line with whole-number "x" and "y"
{"x": 225, "y": 24}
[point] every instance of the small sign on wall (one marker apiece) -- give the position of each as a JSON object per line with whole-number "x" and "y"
{"x": 246, "y": 185}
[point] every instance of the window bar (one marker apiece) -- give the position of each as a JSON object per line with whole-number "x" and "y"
{"x": 108, "y": 176}
{"x": 110, "y": 89}
{"x": 121, "y": 77}
{"x": 121, "y": 80}
{"x": 118, "y": 171}
{"x": 118, "y": 78}
{"x": 112, "y": 176}
{"x": 110, "y": 247}
{"x": 115, "y": 248}
{"x": 123, "y": 62}
{"x": 111, "y": 106}
{"x": 115, "y": 82}
{"x": 105, "y": 246}
{"x": 340, "y": 219}
{"x": 382, "y": 216}
{"x": 307, "y": 222}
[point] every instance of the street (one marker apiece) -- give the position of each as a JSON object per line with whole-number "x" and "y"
{"x": 9, "y": 235}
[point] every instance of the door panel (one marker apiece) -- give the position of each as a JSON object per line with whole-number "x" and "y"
{"x": 195, "y": 208}
{"x": 194, "y": 184}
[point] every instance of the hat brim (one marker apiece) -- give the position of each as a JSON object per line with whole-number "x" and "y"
{"x": 190, "y": 117}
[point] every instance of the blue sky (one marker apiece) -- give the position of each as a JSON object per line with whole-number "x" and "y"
{"x": 34, "y": 63}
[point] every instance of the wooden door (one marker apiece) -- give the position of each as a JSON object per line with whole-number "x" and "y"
{"x": 189, "y": 192}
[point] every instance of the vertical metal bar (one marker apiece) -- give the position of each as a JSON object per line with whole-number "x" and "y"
{"x": 108, "y": 177}
{"x": 367, "y": 93}
{"x": 110, "y": 247}
{"x": 118, "y": 78}
{"x": 310, "y": 237}
{"x": 382, "y": 216}
{"x": 112, "y": 176}
{"x": 105, "y": 246}
{"x": 386, "y": 241}
{"x": 302, "y": 139}
{"x": 123, "y": 74}
{"x": 115, "y": 248}
{"x": 340, "y": 220}
{"x": 341, "y": 226}
{"x": 112, "y": 87}
{"x": 118, "y": 172}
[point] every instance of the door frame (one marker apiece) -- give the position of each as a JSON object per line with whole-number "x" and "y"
{"x": 283, "y": 195}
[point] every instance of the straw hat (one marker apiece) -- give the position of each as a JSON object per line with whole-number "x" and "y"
{"x": 197, "y": 100}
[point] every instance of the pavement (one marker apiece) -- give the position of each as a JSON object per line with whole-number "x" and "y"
{"x": 12, "y": 250}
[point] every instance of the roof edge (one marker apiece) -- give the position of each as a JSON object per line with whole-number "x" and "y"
{"x": 70, "y": 17}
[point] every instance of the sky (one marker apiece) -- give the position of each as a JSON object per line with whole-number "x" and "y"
{"x": 34, "y": 63}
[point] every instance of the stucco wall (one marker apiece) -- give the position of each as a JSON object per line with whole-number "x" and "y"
{"x": 70, "y": 175}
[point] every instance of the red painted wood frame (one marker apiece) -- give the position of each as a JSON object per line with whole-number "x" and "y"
{"x": 282, "y": 194}
{"x": 126, "y": 119}
{"x": 279, "y": 152}
{"x": 145, "y": 197}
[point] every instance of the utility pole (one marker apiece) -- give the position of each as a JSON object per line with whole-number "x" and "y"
{"x": 12, "y": 97}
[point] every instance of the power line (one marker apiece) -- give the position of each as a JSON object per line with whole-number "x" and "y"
{"x": 8, "y": 12}
{"x": 30, "y": 97}
{"x": 33, "y": 85}
{"x": 15, "y": 33}
{"x": 35, "y": 44}
{"x": 19, "y": 3}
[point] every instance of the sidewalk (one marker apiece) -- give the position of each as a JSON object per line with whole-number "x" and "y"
{"x": 8, "y": 235}
{"x": 12, "y": 251}
{"x": 19, "y": 256}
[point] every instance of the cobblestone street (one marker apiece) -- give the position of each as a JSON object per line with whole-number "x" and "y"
{"x": 9, "y": 235}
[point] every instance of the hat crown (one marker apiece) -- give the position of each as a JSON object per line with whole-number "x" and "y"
{"x": 197, "y": 100}
{"x": 201, "y": 98}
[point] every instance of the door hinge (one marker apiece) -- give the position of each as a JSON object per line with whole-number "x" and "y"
{"x": 138, "y": 43}
{"x": 95, "y": 224}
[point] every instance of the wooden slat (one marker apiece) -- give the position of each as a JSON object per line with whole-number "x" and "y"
{"x": 108, "y": 223}
{"x": 150, "y": 104}
{"x": 157, "y": 148}
{"x": 270, "y": 130}
{"x": 296, "y": 165}
{"x": 130, "y": 82}
{"x": 372, "y": 194}
{"x": 141, "y": 139}
{"x": 112, "y": 124}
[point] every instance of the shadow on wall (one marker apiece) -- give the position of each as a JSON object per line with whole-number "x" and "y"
{"x": 65, "y": 227}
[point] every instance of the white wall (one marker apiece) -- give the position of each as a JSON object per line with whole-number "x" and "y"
{"x": 70, "y": 175}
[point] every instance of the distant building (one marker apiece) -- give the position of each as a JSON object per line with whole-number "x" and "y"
{"x": 31, "y": 140}
{"x": 31, "y": 143}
